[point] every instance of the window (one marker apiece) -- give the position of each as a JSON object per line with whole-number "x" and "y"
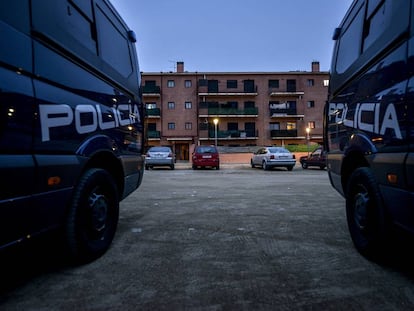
{"x": 311, "y": 104}
{"x": 188, "y": 105}
{"x": 232, "y": 84}
{"x": 112, "y": 42}
{"x": 232, "y": 126}
{"x": 151, "y": 105}
{"x": 350, "y": 43}
{"x": 171, "y": 105}
{"x": 311, "y": 124}
{"x": 377, "y": 23}
{"x": 290, "y": 85}
{"x": 249, "y": 104}
{"x": 171, "y": 126}
{"x": 291, "y": 125}
{"x": 274, "y": 84}
{"x": 325, "y": 82}
{"x": 152, "y": 126}
{"x": 250, "y": 129}
{"x": 212, "y": 86}
{"x": 249, "y": 86}
{"x": 311, "y": 82}
{"x": 171, "y": 83}
{"x": 274, "y": 126}
{"x": 188, "y": 125}
{"x": 187, "y": 83}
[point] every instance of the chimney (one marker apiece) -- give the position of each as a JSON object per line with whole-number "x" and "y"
{"x": 315, "y": 66}
{"x": 180, "y": 67}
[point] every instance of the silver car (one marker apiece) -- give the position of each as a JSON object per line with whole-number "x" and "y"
{"x": 159, "y": 156}
{"x": 269, "y": 157}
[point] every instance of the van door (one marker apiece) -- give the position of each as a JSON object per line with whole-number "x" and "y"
{"x": 17, "y": 166}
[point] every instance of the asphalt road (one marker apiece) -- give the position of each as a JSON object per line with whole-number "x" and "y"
{"x": 233, "y": 239}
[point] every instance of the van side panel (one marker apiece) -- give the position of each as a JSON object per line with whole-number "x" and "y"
{"x": 17, "y": 165}
{"x": 69, "y": 102}
{"x": 370, "y": 114}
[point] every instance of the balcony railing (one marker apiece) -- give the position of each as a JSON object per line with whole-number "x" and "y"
{"x": 153, "y": 134}
{"x": 153, "y": 112}
{"x": 233, "y": 111}
{"x": 205, "y": 91}
{"x": 284, "y": 133}
{"x": 288, "y": 111}
{"x": 151, "y": 89}
{"x": 238, "y": 134}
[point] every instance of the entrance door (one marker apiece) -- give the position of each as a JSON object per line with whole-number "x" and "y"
{"x": 182, "y": 152}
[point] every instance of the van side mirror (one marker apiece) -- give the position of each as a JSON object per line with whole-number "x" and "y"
{"x": 132, "y": 36}
{"x": 337, "y": 33}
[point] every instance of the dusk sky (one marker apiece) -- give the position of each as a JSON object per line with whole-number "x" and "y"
{"x": 233, "y": 35}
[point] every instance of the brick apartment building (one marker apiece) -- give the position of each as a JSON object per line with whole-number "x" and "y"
{"x": 250, "y": 108}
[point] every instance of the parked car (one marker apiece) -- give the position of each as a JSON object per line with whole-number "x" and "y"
{"x": 316, "y": 158}
{"x": 159, "y": 156}
{"x": 206, "y": 156}
{"x": 269, "y": 157}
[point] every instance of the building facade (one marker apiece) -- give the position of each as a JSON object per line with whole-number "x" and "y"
{"x": 184, "y": 109}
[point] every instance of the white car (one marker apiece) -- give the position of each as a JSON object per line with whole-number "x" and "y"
{"x": 269, "y": 157}
{"x": 159, "y": 156}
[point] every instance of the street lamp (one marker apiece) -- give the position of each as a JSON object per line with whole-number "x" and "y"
{"x": 307, "y": 138}
{"x": 215, "y": 121}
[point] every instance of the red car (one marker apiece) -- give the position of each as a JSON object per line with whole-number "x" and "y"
{"x": 316, "y": 158}
{"x": 206, "y": 156}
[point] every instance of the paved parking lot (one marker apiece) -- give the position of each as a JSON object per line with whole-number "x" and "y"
{"x": 233, "y": 239}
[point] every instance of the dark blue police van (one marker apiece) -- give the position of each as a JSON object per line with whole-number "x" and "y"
{"x": 71, "y": 131}
{"x": 369, "y": 120}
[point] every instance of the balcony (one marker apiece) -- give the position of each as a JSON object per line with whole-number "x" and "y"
{"x": 230, "y": 112}
{"x": 287, "y": 93}
{"x": 154, "y": 135}
{"x": 151, "y": 91}
{"x": 283, "y": 133}
{"x": 229, "y": 135}
{"x": 153, "y": 113}
{"x": 285, "y": 113}
{"x": 248, "y": 91}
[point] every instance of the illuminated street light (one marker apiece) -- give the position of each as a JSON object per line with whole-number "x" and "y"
{"x": 215, "y": 121}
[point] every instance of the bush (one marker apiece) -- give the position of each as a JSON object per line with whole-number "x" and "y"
{"x": 301, "y": 148}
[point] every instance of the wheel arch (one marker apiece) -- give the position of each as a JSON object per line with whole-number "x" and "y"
{"x": 351, "y": 162}
{"x": 109, "y": 162}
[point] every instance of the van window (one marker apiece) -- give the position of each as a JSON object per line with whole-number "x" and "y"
{"x": 113, "y": 44}
{"x": 377, "y": 23}
{"x": 350, "y": 43}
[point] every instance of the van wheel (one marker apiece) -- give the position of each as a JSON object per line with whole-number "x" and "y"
{"x": 93, "y": 216}
{"x": 366, "y": 215}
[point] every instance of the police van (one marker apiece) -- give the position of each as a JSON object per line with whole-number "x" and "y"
{"x": 369, "y": 120}
{"x": 71, "y": 131}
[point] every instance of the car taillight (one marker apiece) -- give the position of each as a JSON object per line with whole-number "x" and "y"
{"x": 148, "y": 155}
{"x": 294, "y": 156}
{"x": 272, "y": 157}
{"x": 170, "y": 155}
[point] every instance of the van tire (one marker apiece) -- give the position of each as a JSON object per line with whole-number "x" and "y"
{"x": 93, "y": 216}
{"x": 367, "y": 222}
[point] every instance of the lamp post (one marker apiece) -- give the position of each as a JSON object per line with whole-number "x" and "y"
{"x": 215, "y": 121}
{"x": 307, "y": 138}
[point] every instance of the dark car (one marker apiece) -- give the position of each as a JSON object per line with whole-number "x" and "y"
{"x": 316, "y": 158}
{"x": 206, "y": 156}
